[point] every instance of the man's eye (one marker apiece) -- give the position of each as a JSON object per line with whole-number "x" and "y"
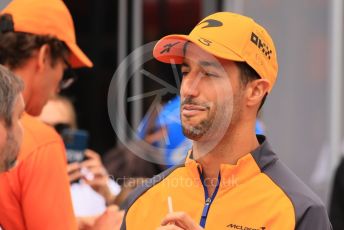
{"x": 210, "y": 74}
{"x": 184, "y": 73}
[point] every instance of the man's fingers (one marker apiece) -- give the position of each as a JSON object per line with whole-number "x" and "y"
{"x": 93, "y": 159}
{"x": 99, "y": 177}
{"x": 73, "y": 167}
{"x": 92, "y": 154}
{"x": 110, "y": 219}
{"x": 180, "y": 219}
{"x": 175, "y": 216}
{"x": 96, "y": 183}
{"x": 170, "y": 227}
{"x": 73, "y": 171}
{"x": 98, "y": 172}
{"x": 91, "y": 163}
{"x": 112, "y": 208}
{"x": 75, "y": 176}
{"x": 119, "y": 220}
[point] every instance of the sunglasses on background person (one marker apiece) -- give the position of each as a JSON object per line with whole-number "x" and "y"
{"x": 69, "y": 77}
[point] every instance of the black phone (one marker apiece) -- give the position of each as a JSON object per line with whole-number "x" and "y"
{"x": 76, "y": 142}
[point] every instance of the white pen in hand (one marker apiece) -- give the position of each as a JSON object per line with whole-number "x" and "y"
{"x": 170, "y": 206}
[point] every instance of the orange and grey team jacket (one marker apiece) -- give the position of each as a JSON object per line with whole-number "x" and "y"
{"x": 258, "y": 193}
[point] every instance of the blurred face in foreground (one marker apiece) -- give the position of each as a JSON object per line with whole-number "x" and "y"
{"x": 45, "y": 83}
{"x": 11, "y": 137}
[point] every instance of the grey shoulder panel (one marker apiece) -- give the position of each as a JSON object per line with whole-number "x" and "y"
{"x": 310, "y": 212}
{"x": 139, "y": 191}
{"x": 315, "y": 218}
{"x": 309, "y": 209}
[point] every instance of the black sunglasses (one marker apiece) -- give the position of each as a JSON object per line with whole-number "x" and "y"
{"x": 59, "y": 127}
{"x": 69, "y": 77}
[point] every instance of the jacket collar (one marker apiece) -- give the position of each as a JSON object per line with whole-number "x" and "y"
{"x": 247, "y": 166}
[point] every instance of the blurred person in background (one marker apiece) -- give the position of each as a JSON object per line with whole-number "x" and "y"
{"x": 131, "y": 169}
{"x": 37, "y": 43}
{"x": 91, "y": 193}
{"x": 171, "y": 140}
{"x": 11, "y": 110}
{"x": 337, "y": 197}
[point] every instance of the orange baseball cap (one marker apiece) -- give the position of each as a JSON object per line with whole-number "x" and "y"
{"x": 228, "y": 36}
{"x": 47, "y": 17}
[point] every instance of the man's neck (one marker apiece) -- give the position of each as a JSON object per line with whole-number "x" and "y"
{"x": 236, "y": 143}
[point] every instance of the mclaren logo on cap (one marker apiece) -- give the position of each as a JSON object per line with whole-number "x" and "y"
{"x": 211, "y": 23}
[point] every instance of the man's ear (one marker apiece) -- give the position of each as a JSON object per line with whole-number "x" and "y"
{"x": 257, "y": 89}
{"x": 43, "y": 57}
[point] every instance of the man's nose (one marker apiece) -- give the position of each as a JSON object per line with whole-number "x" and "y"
{"x": 190, "y": 85}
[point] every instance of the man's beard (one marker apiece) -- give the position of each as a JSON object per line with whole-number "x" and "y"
{"x": 211, "y": 127}
{"x": 9, "y": 152}
{"x": 197, "y": 132}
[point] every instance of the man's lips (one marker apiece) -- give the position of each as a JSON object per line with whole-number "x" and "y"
{"x": 191, "y": 110}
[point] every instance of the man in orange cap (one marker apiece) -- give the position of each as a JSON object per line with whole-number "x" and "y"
{"x": 231, "y": 178}
{"x": 37, "y": 42}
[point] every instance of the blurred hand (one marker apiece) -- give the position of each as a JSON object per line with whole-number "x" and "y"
{"x": 86, "y": 223}
{"x": 178, "y": 221}
{"x": 111, "y": 219}
{"x": 99, "y": 180}
{"x": 73, "y": 171}
{"x": 96, "y": 175}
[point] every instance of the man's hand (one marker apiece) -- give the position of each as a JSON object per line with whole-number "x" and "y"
{"x": 178, "y": 221}
{"x": 73, "y": 170}
{"x": 111, "y": 219}
{"x": 99, "y": 182}
{"x": 97, "y": 176}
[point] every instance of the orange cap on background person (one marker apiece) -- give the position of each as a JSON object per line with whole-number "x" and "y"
{"x": 228, "y": 36}
{"x": 47, "y": 17}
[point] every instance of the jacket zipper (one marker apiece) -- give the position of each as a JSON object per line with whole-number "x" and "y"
{"x": 208, "y": 200}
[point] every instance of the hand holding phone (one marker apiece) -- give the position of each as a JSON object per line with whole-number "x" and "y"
{"x": 76, "y": 142}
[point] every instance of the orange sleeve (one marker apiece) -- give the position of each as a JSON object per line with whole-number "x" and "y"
{"x": 46, "y": 201}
